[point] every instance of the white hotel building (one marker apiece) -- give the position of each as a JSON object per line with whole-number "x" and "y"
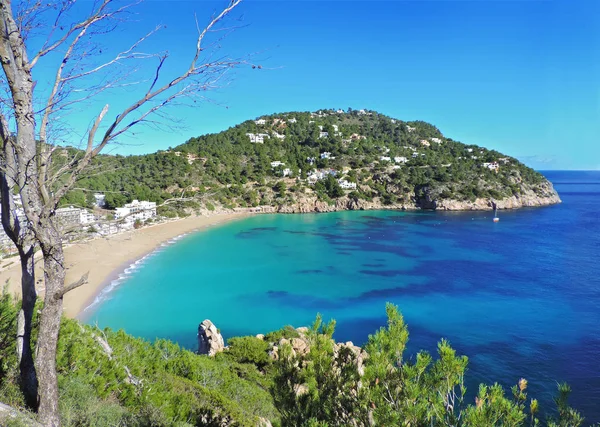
{"x": 136, "y": 210}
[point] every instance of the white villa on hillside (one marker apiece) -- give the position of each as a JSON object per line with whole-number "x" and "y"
{"x": 400, "y": 159}
{"x": 425, "y": 143}
{"x": 317, "y": 175}
{"x": 347, "y": 185}
{"x": 492, "y": 166}
{"x": 260, "y": 122}
{"x": 326, "y": 155}
{"x": 292, "y": 120}
{"x": 323, "y": 134}
{"x": 385, "y": 158}
{"x": 410, "y": 128}
{"x": 278, "y": 135}
{"x": 258, "y": 138}
{"x": 287, "y": 172}
{"x": 439, "y": 141}
{"x": 277, "y": 163}
{"x": 136, "y": 210}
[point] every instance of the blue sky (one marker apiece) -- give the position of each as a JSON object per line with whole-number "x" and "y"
{"x": 522, "y": 77}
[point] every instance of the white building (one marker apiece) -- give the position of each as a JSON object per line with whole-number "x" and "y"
{"x": 415, "y": 155}
{"x": 260, "y": 122}
{"x": 410, "y": 128}
{"x": 347, "y": 185}
{"x": 317, "y": 175}
{"x": 385, "y": 158}
{"x": 292, "y": 120}
{"x": 258, "y": 138}
{"x": 311, "y": 160}
{"x": 492, "y": 166}
{"x": 86, "y": 217}
{"x": 326, "y": 155}
{"x": 323, "y": 134}
{"x": 287, "y": 172}
{"x": 425, "y": 143}
{"x": 469, "y": 150}
{"x": 276, "y": 164}
{"x": 100, "y": 200}
{"x": 136, "y": 210}
{"x": 400, "y": 159}
{"x": 278, "y": 135}
{"x": 439, "y": 141}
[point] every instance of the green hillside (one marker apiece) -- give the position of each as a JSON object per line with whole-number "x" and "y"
{"x": 392, "y": 162}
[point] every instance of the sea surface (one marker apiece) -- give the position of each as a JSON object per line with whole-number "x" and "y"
{"x": 520, "y": 298}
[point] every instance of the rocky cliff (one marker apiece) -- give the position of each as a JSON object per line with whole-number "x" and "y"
{"x": 542, "y": 195}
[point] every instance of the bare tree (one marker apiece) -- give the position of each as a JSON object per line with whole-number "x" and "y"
{"x": 81, "y": 73}
{"x": 23, "y": 238}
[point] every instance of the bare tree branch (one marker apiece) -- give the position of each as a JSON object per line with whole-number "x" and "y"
{"x": 66, "y": 289}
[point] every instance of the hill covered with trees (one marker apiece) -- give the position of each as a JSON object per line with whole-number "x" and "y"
{"x": 328, "y": 160}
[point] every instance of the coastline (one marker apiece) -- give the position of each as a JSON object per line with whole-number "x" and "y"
{"x": 106, "y": 258}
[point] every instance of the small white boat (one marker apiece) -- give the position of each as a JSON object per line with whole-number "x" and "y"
{"x": 496, "y": 219}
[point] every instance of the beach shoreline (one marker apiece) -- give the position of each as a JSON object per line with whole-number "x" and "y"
{"x": 106, "y": 258}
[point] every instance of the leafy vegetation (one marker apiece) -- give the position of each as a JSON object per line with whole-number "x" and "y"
{"x": 109, "y": 378}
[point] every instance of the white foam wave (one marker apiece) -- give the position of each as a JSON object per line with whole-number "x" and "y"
{"x": 104, "y": 294}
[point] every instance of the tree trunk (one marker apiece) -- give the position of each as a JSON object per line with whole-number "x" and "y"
{"x": 24, "y": 241}
{"x": 45, "y": 361}
{"x": 29, "y": 382}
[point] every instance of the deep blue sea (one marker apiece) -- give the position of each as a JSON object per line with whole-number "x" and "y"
{"x": 520, "y": 297}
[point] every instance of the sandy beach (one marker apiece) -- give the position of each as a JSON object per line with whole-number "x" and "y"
{"x": 104, "y": 257}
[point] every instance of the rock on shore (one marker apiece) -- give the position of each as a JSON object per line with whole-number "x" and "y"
{"x": 210, "y": 341}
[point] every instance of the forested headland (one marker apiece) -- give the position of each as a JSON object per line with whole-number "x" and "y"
{"x": 302, "y": 161}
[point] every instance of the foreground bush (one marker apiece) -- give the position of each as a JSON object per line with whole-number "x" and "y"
{"x": 337, "y": 385}
{"x": 289, "y": 378}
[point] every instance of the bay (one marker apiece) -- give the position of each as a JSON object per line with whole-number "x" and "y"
{"x": 520, "y": 297}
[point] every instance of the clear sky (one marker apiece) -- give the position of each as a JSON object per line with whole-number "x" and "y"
{"x": 522, "y": 77}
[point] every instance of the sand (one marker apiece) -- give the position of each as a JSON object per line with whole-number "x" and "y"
{"x": 106, "y": 257}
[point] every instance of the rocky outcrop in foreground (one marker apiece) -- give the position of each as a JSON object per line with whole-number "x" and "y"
{"x": 210, "y": 341}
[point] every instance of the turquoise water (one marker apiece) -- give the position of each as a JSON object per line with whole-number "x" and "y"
{"x": 520, "y": 298}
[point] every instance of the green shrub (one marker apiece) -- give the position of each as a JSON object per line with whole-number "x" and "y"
{"x": 287, "y": 332}
{"x": 249, "y": 350}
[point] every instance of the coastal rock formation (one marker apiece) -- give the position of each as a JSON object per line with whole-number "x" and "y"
{"x": 300, "y": 346}
{"x": 359, "y": 355}
{"x": 210, "y": 341}
{"x": 543, "y": 195}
